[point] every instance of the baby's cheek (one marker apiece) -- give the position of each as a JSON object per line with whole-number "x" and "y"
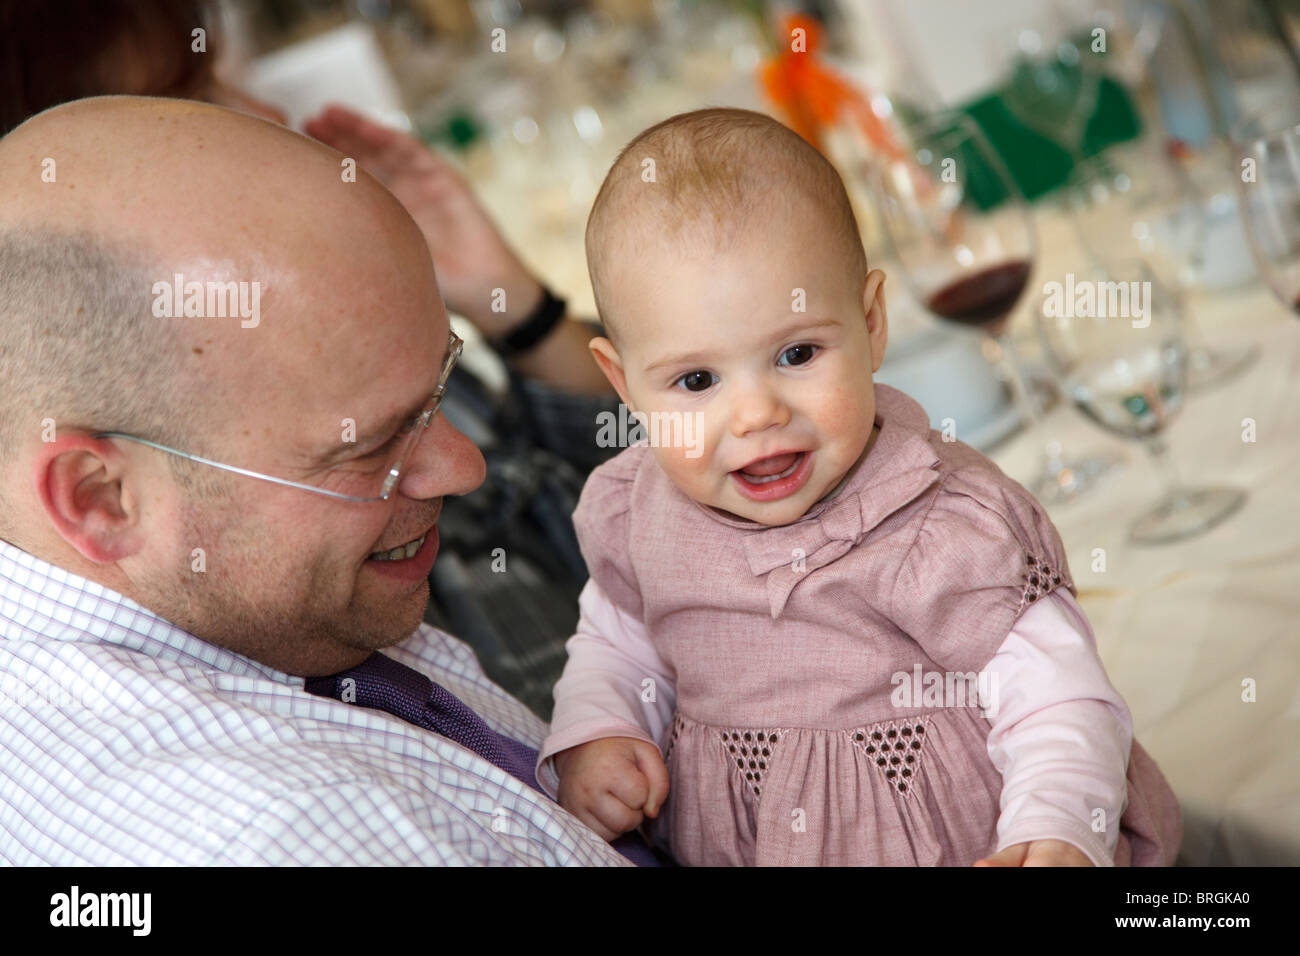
{"x": 847, "y": 410}
{"x": 687, "y": 464}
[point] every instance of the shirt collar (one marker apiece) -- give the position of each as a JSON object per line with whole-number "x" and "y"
{"x": 41, "y": 600}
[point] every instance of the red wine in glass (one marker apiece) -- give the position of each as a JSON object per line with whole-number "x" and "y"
{"x": 982, "y": 298}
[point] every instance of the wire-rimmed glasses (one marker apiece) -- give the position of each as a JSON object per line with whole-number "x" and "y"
{"x": 371, "y": 477}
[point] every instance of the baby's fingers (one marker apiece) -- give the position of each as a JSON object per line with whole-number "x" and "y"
{"x": 651, "y": 764}
{"x": 615, "y": 816}
{"x": 593, "y": 823}
{"x": 630, "y": 786}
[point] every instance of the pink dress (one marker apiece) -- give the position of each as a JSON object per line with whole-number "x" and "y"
{"x": 790, "y": 743}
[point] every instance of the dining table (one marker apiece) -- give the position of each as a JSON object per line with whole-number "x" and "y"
{"x": 1200, "y": 636}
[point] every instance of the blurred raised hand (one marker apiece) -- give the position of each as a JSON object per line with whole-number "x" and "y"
{"x": 470, "y": 254}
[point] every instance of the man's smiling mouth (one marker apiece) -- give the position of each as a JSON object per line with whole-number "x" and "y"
{"x": 400, "y": 553}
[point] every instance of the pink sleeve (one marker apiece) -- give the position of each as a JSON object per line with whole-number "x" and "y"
{"x": 614, "y": 684}
{"x": 1061, "y": 733}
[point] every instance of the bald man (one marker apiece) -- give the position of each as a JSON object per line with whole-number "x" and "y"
{"x": 182, "y": 282}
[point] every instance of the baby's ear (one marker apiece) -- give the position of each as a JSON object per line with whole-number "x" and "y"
{"x": 611, "y": 363}
{"x": 873, "y": 306}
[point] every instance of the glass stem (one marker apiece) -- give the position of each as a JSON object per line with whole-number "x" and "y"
{"x": 1192, "y": 333}
{"x": 1052, "y": 461}
{"x": 1175, "y": 491}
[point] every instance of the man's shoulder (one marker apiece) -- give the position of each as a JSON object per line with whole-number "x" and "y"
{"x": 167, "y": 764}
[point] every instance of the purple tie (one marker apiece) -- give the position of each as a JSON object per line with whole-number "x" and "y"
{"x": 382, "y": 683}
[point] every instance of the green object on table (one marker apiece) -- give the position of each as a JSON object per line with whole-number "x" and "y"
{"x": 1114, "y": 120}
{"x": 1037, "y": 163}
{"x": 458, "y": 130}
{"x": 1137, "y": 406}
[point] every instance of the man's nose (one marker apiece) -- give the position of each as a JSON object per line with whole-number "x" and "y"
{"x": 443, "y": 462}
{"x": 758, "y": 407}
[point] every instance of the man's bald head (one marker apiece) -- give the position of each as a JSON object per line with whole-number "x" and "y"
{"x": 350, "y": 338}
{"x": 700, "y": 180}
{"x": 104, "y": 198}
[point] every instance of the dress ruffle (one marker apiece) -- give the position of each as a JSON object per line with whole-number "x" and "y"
{"x": 914, "y": 790}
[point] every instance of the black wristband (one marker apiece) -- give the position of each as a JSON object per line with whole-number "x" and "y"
{"x": 535, "y": 327}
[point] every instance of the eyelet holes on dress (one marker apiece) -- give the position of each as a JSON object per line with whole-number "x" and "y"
{"x": 678, "y": 727}
{"x": 750, "y": 753}
{"x": 1041, "y": 579}
{"x": 894, "y": 749}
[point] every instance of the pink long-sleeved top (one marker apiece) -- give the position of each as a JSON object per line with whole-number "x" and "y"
{"x": 777, "y": 689}
{"x": 1056, "y": 690}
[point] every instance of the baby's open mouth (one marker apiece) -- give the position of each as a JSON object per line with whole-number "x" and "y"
{"x": 767, "y": 470}
{"x": 774, "y": 477}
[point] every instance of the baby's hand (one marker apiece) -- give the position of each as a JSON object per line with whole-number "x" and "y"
{"x": 1038, "y": 853}
{"x": 612, "y": 784}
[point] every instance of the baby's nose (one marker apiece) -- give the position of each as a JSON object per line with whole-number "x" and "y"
{"x": 757, "y": 410}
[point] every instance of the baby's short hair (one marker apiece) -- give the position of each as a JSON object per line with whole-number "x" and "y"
{"x": 702, "y": 175}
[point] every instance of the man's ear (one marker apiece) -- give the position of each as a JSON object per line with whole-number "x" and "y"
{"x": 873, "y": 307}
{"x": 78, "y": 480}
{"x": 611, "y": 363}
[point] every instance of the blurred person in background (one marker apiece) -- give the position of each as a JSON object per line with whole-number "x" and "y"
{"x": 538, "y": 440}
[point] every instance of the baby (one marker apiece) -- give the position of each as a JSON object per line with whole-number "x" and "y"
{"x": 843, "y": 639}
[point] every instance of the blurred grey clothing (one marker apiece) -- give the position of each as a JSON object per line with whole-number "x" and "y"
{"x": 508, "y": 572}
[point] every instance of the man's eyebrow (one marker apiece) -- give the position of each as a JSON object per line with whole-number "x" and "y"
{"x": 687, "y": 358}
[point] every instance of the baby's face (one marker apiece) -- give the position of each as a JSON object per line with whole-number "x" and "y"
{"x": 783, "y": 398}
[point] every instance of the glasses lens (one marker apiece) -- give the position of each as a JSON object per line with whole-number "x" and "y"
{"x": 376, "y": 475}
{"x": 406, "y": 448}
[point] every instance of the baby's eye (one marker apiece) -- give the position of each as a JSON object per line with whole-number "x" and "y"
{"x": 697, "y": 381}
{"x": 798, "y": 354}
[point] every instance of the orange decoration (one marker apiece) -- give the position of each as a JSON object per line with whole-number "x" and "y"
{"x": 813, "y": 97}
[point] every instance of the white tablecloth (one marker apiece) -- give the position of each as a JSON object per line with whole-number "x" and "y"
{"x": 1184, "y": 629}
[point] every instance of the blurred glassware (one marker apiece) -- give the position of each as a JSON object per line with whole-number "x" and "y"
{"x": 943, "y": 367}
{"x": 1268, "y": 167}
{"x": 1144, "y": 204}
{"x": 1249, "y": 56}
{"x": 1072, "y": 79}
{"x": 1124, "y": 363}
{"x": 965, "y": 240}
{"x": 1053, "y": 91}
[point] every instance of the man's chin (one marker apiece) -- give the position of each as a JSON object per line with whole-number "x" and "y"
{"x": 395, "y": 621}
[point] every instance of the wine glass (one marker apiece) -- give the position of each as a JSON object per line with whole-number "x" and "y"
{"x": 1053, "y": 92}
{"x": 1269, "y": 187}
{"x": 1150, "y": 208}
{"x": 966, "y": 244}
{"x": 1116, "y": 337}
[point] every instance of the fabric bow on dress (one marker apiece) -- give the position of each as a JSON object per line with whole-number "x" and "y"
{"x": 789, "y": 553}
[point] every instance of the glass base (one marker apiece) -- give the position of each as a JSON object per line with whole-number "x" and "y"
{"x": 1208, "y": 367}
{"x": 1074, "y": 477}
{"x": 1185, "y": 514}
